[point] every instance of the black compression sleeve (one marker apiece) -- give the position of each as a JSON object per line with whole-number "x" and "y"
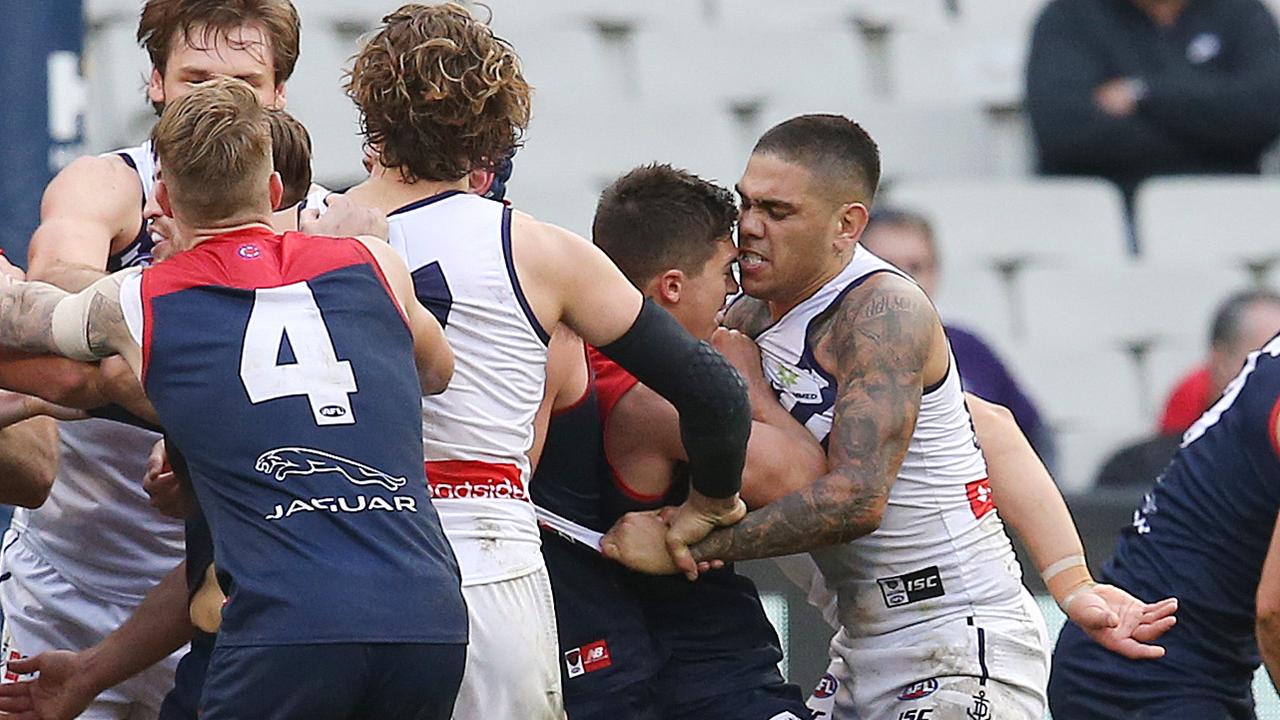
{"x": 715, "y": 415}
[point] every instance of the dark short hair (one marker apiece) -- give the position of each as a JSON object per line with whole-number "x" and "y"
{"x": 658, "y": 217}
{"x": 1230, "y": 315}
{"x": 291, "y": 155}
{"x": 831, "y": 145}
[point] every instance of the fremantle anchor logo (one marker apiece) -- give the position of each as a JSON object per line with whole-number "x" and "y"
{"x": 287, "y": 462}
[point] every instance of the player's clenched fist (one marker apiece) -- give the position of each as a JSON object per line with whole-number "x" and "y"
{"x": 163, "y": 486}
{"x": 639, "y": 541}
{"x": 344, "y": 218}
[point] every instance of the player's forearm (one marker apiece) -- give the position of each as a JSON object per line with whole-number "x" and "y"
{"x": 837, "y": 508}
{"x": 72, "y": 277}
{"x": 26, "y": 316}
{"x": 1023, "y": 491}
{"x": 160, "y": 626}
{"x": 28, "y": 461}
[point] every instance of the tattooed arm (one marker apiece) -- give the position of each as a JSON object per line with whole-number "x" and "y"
{"x": 39, "y": 318}
{"x": 877, "y": 343}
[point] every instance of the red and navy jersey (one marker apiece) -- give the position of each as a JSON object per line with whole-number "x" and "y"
{"x": 714, "y": 631}
{"x": 609, "y": 658}
{"x": 284, "y": 369}
{"x": 1203, "y": 532}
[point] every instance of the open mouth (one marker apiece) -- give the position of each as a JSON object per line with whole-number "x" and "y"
{"x": 749, "y": 260}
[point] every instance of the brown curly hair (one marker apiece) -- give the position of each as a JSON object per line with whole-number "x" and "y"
{"x": 438, "y": 93}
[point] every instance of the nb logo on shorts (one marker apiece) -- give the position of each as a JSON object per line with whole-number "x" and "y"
{"x": 588, "y": 658}
{"x": 286, "y": 462}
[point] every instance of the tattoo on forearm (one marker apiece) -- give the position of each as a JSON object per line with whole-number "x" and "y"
{"x": 106, "y": 323}
{"x": 878, "y": 341}
{"x": 26, "y": 316}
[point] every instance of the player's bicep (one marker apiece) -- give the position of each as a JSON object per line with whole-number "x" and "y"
{"x": 83, "y": 210}
{"x": 880, "y": 345}
{"x": 774, "y": 469}
{"x": 591, "y": 295}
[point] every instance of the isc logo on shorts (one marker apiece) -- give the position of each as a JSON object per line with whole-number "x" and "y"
{"x": 912, "y": 587}
{"x": 588, "y": 658}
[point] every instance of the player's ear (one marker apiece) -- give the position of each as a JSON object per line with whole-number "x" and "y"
{"x": 277, "y": 190}
{"x": 155, "y": 87}
{"x": 670, "y": 285}
{"x": 852, "y": 221}
{"x": 281, "y": 98}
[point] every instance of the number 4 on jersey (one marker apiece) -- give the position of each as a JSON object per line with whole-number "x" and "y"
{"x": 289, "y": 314}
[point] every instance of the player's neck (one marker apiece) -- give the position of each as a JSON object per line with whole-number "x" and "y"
{"x": 387, "y": 189}
{"x": 207, "y": 232}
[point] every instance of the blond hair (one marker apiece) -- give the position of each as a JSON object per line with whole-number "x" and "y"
{"x": 438, "y": 93}
{"x": 214, "y": 148}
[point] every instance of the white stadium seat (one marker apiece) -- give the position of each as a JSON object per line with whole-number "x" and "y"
{"x": 1089, "y": 397}
{"x": 1211, "y": 221}
{"x": 1144, "y": 311}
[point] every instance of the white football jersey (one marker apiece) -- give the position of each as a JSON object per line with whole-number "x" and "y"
{"x": 98, "y": 528}
{"x": 940, "y": 552}
{"x": 477, "y": 433}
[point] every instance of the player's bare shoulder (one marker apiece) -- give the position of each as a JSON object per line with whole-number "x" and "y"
{"x": 104, "y": 181}
{"x": 748, "y": 316}
{"x": 886, "y": 319}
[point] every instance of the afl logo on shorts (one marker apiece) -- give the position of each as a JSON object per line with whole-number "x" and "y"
{"x": 827, "y": 686}
{"x": 917, "y": 690}
{"x": 249, "y": 251}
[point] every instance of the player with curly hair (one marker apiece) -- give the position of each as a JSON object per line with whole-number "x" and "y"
{"x": 439, "y": 95}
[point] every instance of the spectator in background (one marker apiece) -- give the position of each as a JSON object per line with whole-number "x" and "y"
{"x": 1127, "y": 89}
{"x": 906, "y": 239}
{"x": 1244, "y": 322}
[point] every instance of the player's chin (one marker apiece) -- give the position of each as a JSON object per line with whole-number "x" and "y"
{"x": 755, "y": 283}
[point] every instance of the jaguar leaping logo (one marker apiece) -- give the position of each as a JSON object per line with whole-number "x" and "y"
{"x": 287, "y": 462}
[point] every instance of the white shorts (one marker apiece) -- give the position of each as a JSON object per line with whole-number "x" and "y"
{"x": 42, "y": 611}
{"x": 513, "y": 668}
{"x": 960, "y": 671}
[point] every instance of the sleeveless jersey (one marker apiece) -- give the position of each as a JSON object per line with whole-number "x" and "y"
{"x": 1203, "y": 532}
{"x": 283, "y": 368}
{"x": 477, "y": 433}
{"x": 940, "y": 552}
{"x": 98, "y": 528}
{"x": 606, "y": 645}
{"x": 714, "y": 631}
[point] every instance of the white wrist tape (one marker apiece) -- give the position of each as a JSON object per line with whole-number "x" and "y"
{"x": 71, "y": 318}
{"x": 1062, "y": 566}
{"x": 71, "y": 326}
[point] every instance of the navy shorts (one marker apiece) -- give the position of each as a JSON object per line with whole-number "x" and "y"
{"x": 183, "y": 700}
{"x": 1086, "y": 682}
{"x": 410, "y": 681}
{"x": 608, "y": 658}
{"x": 766, "y": 702}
